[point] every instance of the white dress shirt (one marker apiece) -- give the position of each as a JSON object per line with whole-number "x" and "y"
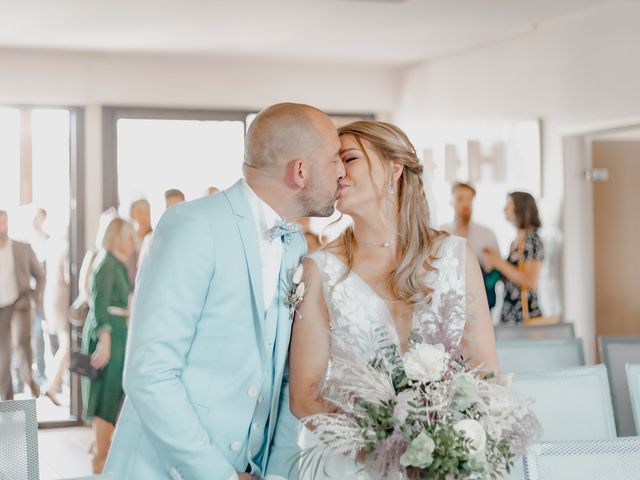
{"x": 9, "y": 292}
{"x": 266, "y": 218}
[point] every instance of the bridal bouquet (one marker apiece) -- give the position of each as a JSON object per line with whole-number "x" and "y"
{"x": 421, "y": 415}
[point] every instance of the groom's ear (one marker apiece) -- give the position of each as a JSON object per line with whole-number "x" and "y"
{"x": 297, "y": 173}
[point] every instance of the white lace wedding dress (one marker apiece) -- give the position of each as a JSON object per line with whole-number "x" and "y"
{"x": 356, "y": 314}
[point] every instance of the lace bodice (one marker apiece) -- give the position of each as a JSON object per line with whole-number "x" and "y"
{"x": 356, "y": 312}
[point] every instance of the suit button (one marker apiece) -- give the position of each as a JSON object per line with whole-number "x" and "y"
{"x": 254, "y": 427}
{"x": 235, "y": 446}
{"x": 252, "y": 392}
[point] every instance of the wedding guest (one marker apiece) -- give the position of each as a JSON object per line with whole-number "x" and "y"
{"x": 173, "y": 196}
{"x": 18, "y": 266}
{"x": 478, "y": 236}
{"x": 313, "y": 240}
{"x": 140, "y": 214}
{"x": 521, "y": 269}
{"x": 38, "y": 239}
{"x": 105, "y": 334}
{"x": 56, "y": 308}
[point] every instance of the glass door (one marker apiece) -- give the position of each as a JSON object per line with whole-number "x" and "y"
{"x": 37, "y": 148}
{"x": 155, "y": 156}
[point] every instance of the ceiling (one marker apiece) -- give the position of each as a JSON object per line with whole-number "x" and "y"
{"x": 375, "y": 32}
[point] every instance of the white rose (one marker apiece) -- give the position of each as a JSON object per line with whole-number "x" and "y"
{"x": 473, "y": 431}
{"x": 401, "y": 410}
{"x": 297, "y": 275}
{"x": 425, "y": 363}
{"x": 300, "y": 290}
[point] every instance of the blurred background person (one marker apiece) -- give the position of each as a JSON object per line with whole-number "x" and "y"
{"x": 313, "y": 240}
{"x": 140, "y": 213}
{"x": 18, "y": 266}
{"x": 478, "y": 236}
{"x": 56, "y": 310}
{"x": 38, "y": 239}
{"x": 105, "y": 334}
{"x": 173, "y": 196}
{"x": 521, "y": 269}
{"x": 211, "y": 191}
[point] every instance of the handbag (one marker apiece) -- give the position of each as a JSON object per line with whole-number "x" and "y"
{"x": 524, "y": 298}
{"x": 80, "y": 363}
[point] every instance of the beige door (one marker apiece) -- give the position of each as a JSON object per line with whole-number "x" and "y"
{"x": 616, "y": 212}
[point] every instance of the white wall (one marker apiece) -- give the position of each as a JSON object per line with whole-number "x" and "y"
{"x": 96, "y": 79}
{"x": 580, "y": 68}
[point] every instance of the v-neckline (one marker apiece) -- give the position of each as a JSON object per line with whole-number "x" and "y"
{"x": 390, "y": 319}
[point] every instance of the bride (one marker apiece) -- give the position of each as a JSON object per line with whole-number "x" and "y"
{"x": 389, "y": 270}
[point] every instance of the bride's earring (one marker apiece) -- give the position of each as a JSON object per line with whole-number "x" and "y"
{"x": 392, "y": 191}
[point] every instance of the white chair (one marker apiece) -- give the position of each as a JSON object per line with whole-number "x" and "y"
{"x": 536, "y": 355}
{"x": 633, "y": 379}
{"x": 19, "y": 440}
{"x": 534, "y": 332}
{"x": 612, "y": 459}
{"x": 571, "y": 404}
{"x": 616, "y": 352}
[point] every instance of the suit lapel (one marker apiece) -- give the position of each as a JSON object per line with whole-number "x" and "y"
{"x": 249, "y": 236}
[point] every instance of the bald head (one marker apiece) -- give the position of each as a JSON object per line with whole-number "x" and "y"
{"x": 285, "y": 132}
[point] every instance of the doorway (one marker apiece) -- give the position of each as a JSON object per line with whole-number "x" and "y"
{"x": 41, "y": 189}
{"x": 616, "y": 203}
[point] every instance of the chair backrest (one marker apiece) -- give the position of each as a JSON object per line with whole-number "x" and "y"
{"x": 633, "y": 379}
{"x": 535, "y": 355}
{"x": 534, "y": 332}
{"x": 612, "y": 459}
{"x": 19, "y": 440}
{"x": 616, "y": 352}
{"x": 571, "y": 404}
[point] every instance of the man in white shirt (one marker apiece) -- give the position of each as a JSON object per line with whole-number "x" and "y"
{"x": 478, "y": 236}
{"x": 18, "y": 265}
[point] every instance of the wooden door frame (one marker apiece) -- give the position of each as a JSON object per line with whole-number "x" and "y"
{"x": 577, "y": 220}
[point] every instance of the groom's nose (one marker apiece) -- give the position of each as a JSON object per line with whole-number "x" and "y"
{"x": 341, "y": 171}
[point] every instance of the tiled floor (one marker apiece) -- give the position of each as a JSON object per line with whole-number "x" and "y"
{"x": 64, "y": 453}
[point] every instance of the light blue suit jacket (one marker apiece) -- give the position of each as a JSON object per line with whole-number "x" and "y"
{"x": 196, "y": 356}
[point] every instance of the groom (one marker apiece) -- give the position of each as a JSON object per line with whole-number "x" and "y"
{"x": 210, "y": 330}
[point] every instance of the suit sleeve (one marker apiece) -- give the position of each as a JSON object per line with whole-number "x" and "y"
{"x": 171, "y": 292}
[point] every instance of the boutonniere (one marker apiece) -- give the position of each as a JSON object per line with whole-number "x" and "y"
{"x": 296, "y": 292}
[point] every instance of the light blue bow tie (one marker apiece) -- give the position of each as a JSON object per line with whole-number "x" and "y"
{"x": 285, "y": 231}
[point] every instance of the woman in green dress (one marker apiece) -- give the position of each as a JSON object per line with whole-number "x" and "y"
{"x": 105, "y": 334}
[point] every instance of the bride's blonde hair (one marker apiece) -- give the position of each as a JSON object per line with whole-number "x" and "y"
{"x": 415, "y": 237}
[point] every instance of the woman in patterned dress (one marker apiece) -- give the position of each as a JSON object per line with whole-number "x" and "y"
{"x": 521, "y": 269}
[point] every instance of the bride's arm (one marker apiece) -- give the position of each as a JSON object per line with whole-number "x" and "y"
{"x": 309, "y": 351}
{"x": 478, "y": 343}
